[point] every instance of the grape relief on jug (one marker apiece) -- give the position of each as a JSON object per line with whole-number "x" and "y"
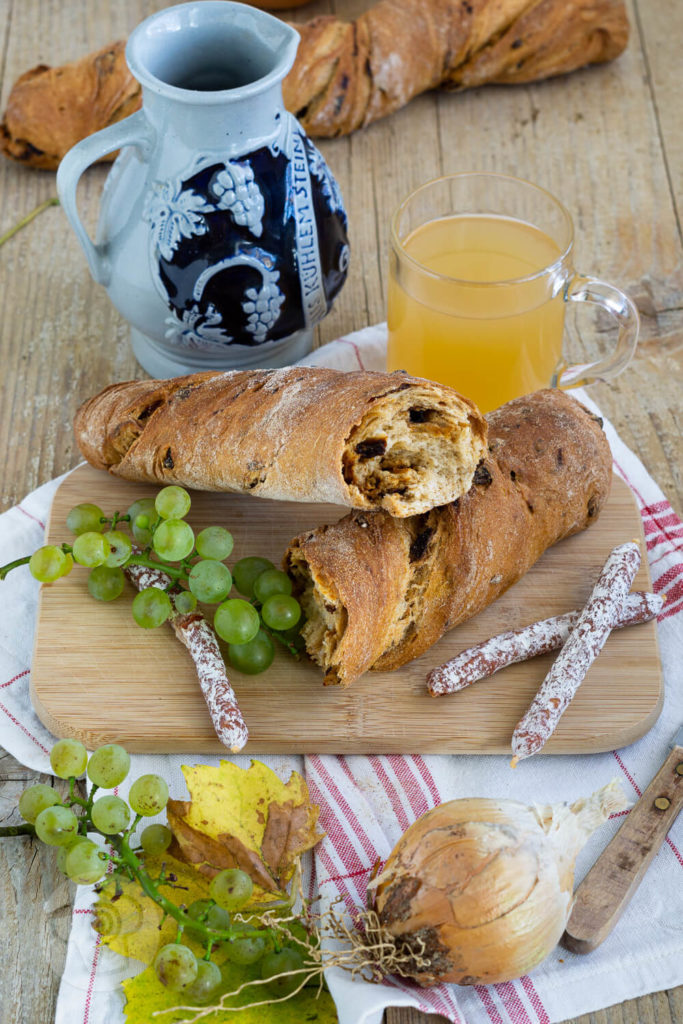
{"x": 251, "y": 249}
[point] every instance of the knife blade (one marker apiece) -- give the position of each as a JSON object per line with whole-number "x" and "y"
{"x": 611, "y": 882}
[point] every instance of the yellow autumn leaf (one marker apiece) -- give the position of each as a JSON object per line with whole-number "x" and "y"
{"x": 146, "y": 995}
{"x": 236, "y": 817}
{"x": 132, "y": 924}
{"x": 246, "y": 818}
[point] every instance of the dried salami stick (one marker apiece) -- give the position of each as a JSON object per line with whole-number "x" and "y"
{"x": 483, "y": 660}
{"x": 585, "y": 642}
{"x": 197, "y": 635}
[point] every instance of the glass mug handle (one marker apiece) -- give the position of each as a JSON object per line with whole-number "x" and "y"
{"x": 615, "y": 302}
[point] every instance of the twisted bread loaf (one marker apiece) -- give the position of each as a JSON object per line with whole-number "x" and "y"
{"x": 364, "y": 439}
{"x": 378, "y": 591}
{"x": 346, "y": 74}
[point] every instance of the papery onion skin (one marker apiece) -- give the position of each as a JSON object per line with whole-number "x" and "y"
{"x": 482, "y": 889}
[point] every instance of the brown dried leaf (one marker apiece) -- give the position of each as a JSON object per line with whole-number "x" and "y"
{"x": 244, "y": 818}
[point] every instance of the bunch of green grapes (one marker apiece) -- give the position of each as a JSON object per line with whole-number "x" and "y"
{"x": 195, "y": 565}
{"x": 67, "y": 824}
{"x": 178, "y": 968}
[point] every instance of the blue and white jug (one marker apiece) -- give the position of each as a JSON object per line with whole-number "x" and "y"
{"x": 222, "y": 233}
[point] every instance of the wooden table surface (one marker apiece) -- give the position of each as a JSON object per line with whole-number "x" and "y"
{"x": 606, "y": 140}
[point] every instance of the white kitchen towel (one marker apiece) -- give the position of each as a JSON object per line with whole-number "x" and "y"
{"x": 367, "y": 802}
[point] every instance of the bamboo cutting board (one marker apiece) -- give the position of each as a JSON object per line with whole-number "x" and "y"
{"x": 97, "y": 676}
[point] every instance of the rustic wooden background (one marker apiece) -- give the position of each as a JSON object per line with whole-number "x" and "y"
{"x": 607, "y": 140}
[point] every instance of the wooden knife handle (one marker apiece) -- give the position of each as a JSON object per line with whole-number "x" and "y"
{"x": 617, "y": 873}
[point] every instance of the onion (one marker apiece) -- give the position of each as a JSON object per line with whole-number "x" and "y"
{"x": 479, "y": 891}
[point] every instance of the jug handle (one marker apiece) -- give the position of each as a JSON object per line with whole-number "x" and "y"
{"x": 132, "y": 131}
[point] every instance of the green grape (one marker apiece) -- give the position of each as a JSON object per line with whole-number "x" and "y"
{"x": 173, "y": 540}
{"x": 176, "y": 966}
{"x": 68, "y": 757}
{"x": 68, "y": 564}
{"x": 85, "y": 863}
{"x": 105, "y": 584}
{"x": 121, "y": 547}
{"x": 208, "y": 979}
{"x": 218, "y": 919}
{"x": 151, "y": 607}
{"x": 236, "y": 621}
{"x": 62, "y": 852}
{"x": 142, "y": 514}
{"x": 283, "y": 962}
{"x": 246, "y": 950}
{"x": 47, "y": 563}
{"x": 56, "y": 825}
{"x": 35, "y": 799}
{"x": 271, "y": 582}
{"x": 214, "y": 542}
{"x": 85, "y": 518}
{"x": 90, "y": 549}
{"x": 210, "y": 581}
{"x": 281, "y": 611}
{"x": 253, "y": 657}
{"x": 184, "y": 602}
{"x": 108, "y": 765}
{"x": 198, "y": 910}
{"x": 172, "y": 502}
{"x": 247, "y": 570}
{"x": 155, "y": 839}
{"x": 110, "y": 814}
{"x": 231, "y": 889}
{"x": 148, "y": 795}
{"x": 293, "y": 633}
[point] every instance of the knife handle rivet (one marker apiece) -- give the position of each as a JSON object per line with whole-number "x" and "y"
{"x": 679, "y": 769}
{"x": 662, "y": 802}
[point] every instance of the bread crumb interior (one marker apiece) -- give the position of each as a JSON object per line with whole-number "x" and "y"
{"x": 325, "y": 614}
{"x": 413, "y": 455}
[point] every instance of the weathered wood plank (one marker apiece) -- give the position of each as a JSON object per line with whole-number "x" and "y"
{"x": 35, "y": 909}
{"x": 662, "y": 53}
{"x": 606, "y": 140}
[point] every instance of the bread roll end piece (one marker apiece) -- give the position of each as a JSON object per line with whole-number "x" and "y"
{"x": 414, "y": 451}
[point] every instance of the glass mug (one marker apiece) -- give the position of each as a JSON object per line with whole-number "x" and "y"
{"x": 480, "y": 276}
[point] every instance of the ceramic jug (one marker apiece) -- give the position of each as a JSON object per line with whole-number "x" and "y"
{"x": 222, "y": 233}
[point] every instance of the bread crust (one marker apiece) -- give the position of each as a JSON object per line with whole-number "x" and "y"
{"x": 547, "y": 475}
{"x": 295, "y": 434}
{"x": 347, "y": 74}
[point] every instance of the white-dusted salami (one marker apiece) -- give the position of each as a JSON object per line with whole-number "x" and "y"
{"x": 585, "y": 642}
{"x": 195, "y": 633}
{"x": 487, "y": 658}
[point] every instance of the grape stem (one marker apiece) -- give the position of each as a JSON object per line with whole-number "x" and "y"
{"x": 17, "y": 830}
{"x": 5, "y": 569}
{"x": 274, "y": 635}
{"x": 126, "y": 861}
{"x": 54, "y": 201}
{"x": 73, "y": 799}
{"x": 13, "y": 565}
{"x": 149, "y": 886}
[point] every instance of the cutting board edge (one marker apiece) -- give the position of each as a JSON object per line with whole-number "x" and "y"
{"x": 557, "y": 746}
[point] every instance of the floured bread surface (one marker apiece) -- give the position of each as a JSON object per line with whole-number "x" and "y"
{"x": 378, "y": 591}
{"x": 412, "y": 452}
{"x": 363, "y": 439}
